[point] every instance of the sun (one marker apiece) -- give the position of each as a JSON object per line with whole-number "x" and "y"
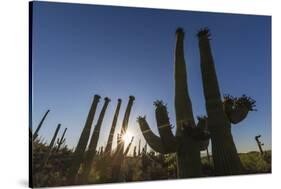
{"x": 127, "y": 137}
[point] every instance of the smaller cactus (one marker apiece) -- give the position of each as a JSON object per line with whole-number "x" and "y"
{"x": 35, "y": 135}
{"x": 61, "y": 140}
{"x": 47, "y": 155}
{"x": 260, "y": 144}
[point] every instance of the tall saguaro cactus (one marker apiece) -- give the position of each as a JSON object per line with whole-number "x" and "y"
{"x": 35, "y": 135}
{"x": 186, "y": 143}
{"x": 83, "y": 141}
{"x": 108, "y": 147}
{"x": 119, "y": 155}
{"x": 221, "y": 113}
{"x": 94, "y": 141}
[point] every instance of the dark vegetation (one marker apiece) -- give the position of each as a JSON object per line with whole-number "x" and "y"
{"x": 172, "y": 156}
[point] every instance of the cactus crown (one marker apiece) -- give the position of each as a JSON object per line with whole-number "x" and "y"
{"x": 159, "y": 104}
{"x": 140, "y": 119}
{"x": 180, "y": 31}
{"x": 204, "y": 32}
{"x": 131, "y": 97}
{"x": 107, "y": 99}
{"x": 97, "y": 96}
{"x": 232, "y": 102}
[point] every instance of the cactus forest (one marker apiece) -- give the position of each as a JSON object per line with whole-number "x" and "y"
{"x": 122, "y": 94}
{"x": 192, "y": 146}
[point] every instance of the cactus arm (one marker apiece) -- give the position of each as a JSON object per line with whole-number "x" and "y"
{"x": 154, "y": 141}
{"x": 183, "y": 107}
{"x": 164, "y": 127}
{"x": 225, "y": 156}
{"x": 237, "y": 109}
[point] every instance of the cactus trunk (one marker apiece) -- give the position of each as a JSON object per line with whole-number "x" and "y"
{"x": 83, "y": 141}
{"x": 93, "y": 142}
{"x": 188, "y": 153}
{"x": 225, "y": 157}
{"x": 108, "y": 147}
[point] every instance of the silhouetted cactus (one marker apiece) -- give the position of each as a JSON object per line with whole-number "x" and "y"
{"x": 188, "y": 137}
{"x": 47, "y": 155}
{"x": 82, "y": 143}
{"x": 35, "y": 134}
{"x": 108, "y": 147}
{"x": 93, "y": 142}
{"x": 260, "y": 144}
{"x": 135, "y": 151}
{"x": 221, "y": 115}
{"x": 61, "y": 140}
{"x": 128, "y": 147}
{"x": 119, "y": 154}
{"x": 139, "y": 151}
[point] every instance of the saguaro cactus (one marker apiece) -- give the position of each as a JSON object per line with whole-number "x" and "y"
{"x": 61, "y": 140}
{"x": 186, "y": 143}
{"x": 260, "y": 144}
{"x": 46, "y": 157}
{"x": 108, "y": 147}
{"x": 221, "y": 114}
{"x": 119, "y": 155}
{"x": 83, "y": 141}
{"x": 94, "y": 141}
{"x": 35, "y": 135}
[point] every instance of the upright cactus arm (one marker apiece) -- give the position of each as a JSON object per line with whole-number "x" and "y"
{"x": 154, "y": 141}
{"x": 183, "y": 106}
{"x": 164, "y": 127}
{"x": 237, "y": 109}
{"x": 128, "y": 147}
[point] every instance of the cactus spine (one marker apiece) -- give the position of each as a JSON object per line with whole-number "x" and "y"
{"x": 35, "y": 135}
{"x": 83, "y": 141}
{"x": 94, "y": 141}
{"x": 186, "y": 143}
{"x": 108, "y": 147}
{"x": 225, "y": 157}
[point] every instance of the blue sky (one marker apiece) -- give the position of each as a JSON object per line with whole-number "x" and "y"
{"x": 83, "y": 50}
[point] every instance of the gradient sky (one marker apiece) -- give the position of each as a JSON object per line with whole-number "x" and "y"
{"x": 83, "y": 50}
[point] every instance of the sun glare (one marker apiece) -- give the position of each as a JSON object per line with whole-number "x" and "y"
{"x": 127, "y": 137}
